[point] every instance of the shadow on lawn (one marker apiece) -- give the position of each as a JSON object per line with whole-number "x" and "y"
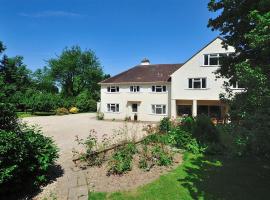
{"x": 227, "y": 178}
{"x": 26, "y": 190}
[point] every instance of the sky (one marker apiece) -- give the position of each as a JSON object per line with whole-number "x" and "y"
{"x": 120, "y": 32}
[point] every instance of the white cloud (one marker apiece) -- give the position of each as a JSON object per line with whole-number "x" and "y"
{"x": 51, "y": 13}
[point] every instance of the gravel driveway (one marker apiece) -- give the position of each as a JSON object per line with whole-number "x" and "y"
{"x": 63, "y": 130}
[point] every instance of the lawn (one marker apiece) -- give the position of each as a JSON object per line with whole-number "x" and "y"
{"x": 29, "y": 114}
{"x": 202, "y": 177}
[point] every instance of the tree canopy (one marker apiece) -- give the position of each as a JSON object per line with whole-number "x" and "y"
{"x": 245, "y": 24}
{"x": 76, "y": 70}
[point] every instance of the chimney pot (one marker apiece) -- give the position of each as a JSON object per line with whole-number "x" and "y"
{"x": 145, "y": 61}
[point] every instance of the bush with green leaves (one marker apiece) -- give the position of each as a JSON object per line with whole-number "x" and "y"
{"x": 86, "y": 103}
{"x": 165, "y": 125}
{"x": 183, "y": 139}
{"x": 44, "y": 102}
{"x": 26, "y": 156}
{"x": 8, "y": 117}
{"x": 121, "y": 160}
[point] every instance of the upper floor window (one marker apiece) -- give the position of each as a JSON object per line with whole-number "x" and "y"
{"x": 113, "y": 107}
{"x": 198, "y": 83}
{"x": 134, "y": 88}
{"x": 113, "y": 89}
{"x": 213, "y": 59}
{"x": 159, "y": 109}
{"x": 159, "y": 88}
{"x": 236, "y": 85}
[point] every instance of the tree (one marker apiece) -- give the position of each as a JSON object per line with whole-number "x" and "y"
{"x": 245, "y": 24}
{"x": 16, "y": 78}
{"x": 76, "y": 71}
{"x": 44, "y": 81}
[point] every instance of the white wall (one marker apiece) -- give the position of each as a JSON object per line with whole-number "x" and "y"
{"x": 194, "y": 69}
{"x": 145, "y": 98}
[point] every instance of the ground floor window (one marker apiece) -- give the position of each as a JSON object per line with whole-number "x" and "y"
{"x": 184, "y": 110}
{"x": 113, "y": 107}
{"x": 211, "y": 111}
{"x": 159, "y": 109}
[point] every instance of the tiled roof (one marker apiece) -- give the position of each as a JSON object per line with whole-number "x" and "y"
{"x": 145, "y": 73}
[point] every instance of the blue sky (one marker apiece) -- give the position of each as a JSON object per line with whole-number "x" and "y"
{"x": 121, "y": 32}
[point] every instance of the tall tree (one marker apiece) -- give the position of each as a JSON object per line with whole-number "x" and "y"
{"x": 76, "y": 71}
{"x": 43, "y": 80}
{"x": 245, "y": 24}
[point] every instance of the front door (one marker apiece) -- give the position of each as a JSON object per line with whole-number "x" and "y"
{"x": 134, "y": 107}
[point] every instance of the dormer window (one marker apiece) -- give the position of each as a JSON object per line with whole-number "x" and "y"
{"x": 134, "y": 88}
{"x": 113, "y": 89}
{"x": 213, "y": 59}
{"x": 159, "y": 88}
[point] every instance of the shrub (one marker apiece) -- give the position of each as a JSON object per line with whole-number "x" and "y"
{"x": 26, "y": 156}
{"x": 62, "y": 111}
{"x": 161, "y": 155}
{"x": 165, "y": 125}
{"x": 44, "y": 102}
{"x": 91, "y": 156}
{"x": 8, "y": 117}
{"x": 100, "y": 115}
{"x": 184, "y": 140}
{"x": 74, "y": 110}
{"x": 85, "y": 102}
{"x": 121, "y": 160}
{"x": 204, "y": 130}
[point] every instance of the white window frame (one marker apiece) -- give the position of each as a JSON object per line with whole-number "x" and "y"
{"x": 113, "y": 107}
{"x": 213, "y": 55}
{"x": 236, "y": 86}
{"x": 113, "y": 89}
{"x": 134, "y": 88}
{"x": 163, "y": 108}
{"x": 156, "y": 88}
{"x": 200, "y": 80}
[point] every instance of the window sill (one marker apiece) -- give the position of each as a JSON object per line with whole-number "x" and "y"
{"x": 237, "y": 88}
{"x": 197, "y": 89}
{"x": 158, "y": 114}
{"x": 210, "y": 65}
{"x": 158, "y": 92}
{"x": 113, "y": 112}
{"x": 112, "y": 92}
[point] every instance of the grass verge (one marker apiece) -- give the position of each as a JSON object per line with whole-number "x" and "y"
{"x": 201, "y": 177}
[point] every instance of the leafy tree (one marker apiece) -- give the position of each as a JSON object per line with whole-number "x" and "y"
{"x": 44, "y": 81}
{"x": 76, "y": 71}
{"x": 245, "y": 24}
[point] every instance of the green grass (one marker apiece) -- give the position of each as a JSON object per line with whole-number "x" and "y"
{"x": 205, "y": 178}
{"x": 24, "y": 114}
{"x": 29, "y": 114}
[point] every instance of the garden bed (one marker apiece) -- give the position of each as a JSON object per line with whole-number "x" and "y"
{"x": 100, "y": 181}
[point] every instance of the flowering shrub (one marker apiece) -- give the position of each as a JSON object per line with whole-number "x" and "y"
{"x": 74, "y": 110}
{"x": 62, "y": 111}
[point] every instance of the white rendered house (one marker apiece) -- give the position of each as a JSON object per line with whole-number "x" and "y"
{"x": 153, "y": 91}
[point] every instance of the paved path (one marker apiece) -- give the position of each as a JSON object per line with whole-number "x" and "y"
{"x": 73, "y": 185}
